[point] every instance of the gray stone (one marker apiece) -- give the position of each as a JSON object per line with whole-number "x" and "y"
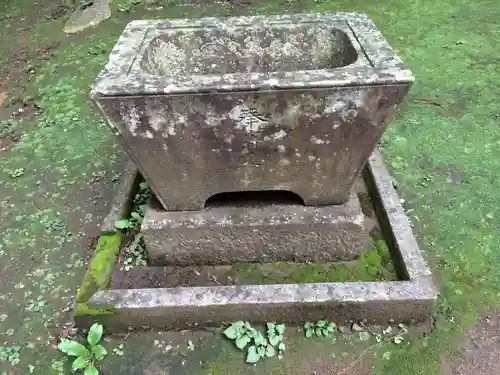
{"x": 91, "y": 16}
{"x": 122, "y": 201}
{"x": 412, "y": 300}
{"x": 181, "y": 308}
{"x": 357, "y": 328}
{"x": 295, "y": 102}
{"x": 343, "y": 330}
{"x": 256, "y": 233}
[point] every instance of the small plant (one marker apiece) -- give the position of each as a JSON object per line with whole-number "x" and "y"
{"x": 137, "y": 214}
{"x": 135, "y": 253}
{"x": 118, "y": 350}
{"x": 261, "y": 346}
{"x": 127, "y": 5}
{"x": 10, "y": 354}
{"x": 36, "y": 305}
{"x": 8, "y": 127}
{"x": 86, "y": 357}
{"x": 398, "y": 339}
{"x": 322, "y": 328}
{"x": 131, "y": 223}
{"x": 84, "y": 4}
{"x": 15, "y": 173}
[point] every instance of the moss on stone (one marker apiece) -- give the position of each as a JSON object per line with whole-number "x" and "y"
{"x": 373, "y": 265}
{"x": 85, "y": 309}
{"x": 101, "y": 266}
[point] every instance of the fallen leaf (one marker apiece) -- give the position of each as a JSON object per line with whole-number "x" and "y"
{"x": 3, "y": 95}
{"x": 429, "y": 101}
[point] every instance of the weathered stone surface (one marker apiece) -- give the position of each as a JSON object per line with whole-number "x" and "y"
{"x": 261, "y": 233}
{"x": 90, "y": 16}
{"x": 413, "y": 300}
{"x": 293, "y": 103}
{"x": 181, "y": 308}
{"x": 124, "y": 195}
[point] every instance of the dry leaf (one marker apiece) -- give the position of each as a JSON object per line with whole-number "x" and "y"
{"x": 429, "y": 101}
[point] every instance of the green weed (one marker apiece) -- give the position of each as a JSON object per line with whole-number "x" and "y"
{"x": 10, "y": 354}
{"x": 127, "y": 5}
{"x": 118, "y": 350}
{"x": 86, "y": 356}
{"x": 322, "y": 328}
{"x": 134, "y": 250}
{"x": 257, "y": 344}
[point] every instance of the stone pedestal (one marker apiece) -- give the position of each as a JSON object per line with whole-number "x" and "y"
{"x": 291, "y": 103}
{"x": 259, "y": 233}
{"x": 208, "y": 106}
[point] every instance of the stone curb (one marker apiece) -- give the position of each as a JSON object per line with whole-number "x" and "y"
{"x": 411, "y": 300}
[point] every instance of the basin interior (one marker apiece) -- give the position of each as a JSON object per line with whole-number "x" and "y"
{"x": 247, "y": 49}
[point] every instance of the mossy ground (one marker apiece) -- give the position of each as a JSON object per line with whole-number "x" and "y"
{"x": 443, "y": 148}
{"x": 373, "y": 265}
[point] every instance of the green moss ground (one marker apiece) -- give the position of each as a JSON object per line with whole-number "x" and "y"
{"x": 373, "y": 265}
{"x": 445, "y": 157}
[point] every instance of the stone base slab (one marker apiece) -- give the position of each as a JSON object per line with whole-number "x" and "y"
{"x": 258, "y": 233}
{"x": 192, "y": 307}
{"x": 411, "y": 300}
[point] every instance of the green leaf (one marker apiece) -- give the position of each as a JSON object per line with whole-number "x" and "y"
{"x": 280, "y": 328}
{"x": 252, "y": 332}
{"x": 240, "y": 331}
{"x": 252, "y": 355}
{"x": 321, "y": 323}
{"x": 308, "y": 325}
{"x": 398, "y": 339}
{"x": 242, "y": 341}
{"x": 281, "y": 347}
{"x": 318, "y": 332}
{"x": 95, "y": 334}
{"x": 238, "y": 324}
{"x": 80, "y": 363}
{"x": 99, "y": 352}
{"x": 270, "y": 352}
{"x": 331, "y": 327}
{"x": 91, "y": 370}
{"x": 136, "y": 216}
{"x": 270, "y": 326}
{"x": 309, "y": 333}
{"x": 123, "y": 224}
{"x": 73, "y": 348}
{"x": 275, "y": 340}
{"x": 260, "y": 340}
{"x": 231, "y": 332}
{"x": 325, "y": 332}
{"x": 261, "y": 350}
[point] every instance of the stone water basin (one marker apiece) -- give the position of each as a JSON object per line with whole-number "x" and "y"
{"x": 294, "y": 103}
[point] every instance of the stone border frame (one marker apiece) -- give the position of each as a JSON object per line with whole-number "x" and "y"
{"x": 413, "y": 300}
{"x": 377, "y": 62}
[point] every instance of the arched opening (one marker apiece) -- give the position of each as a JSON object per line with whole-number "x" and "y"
{"x": 254, "y": 198}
